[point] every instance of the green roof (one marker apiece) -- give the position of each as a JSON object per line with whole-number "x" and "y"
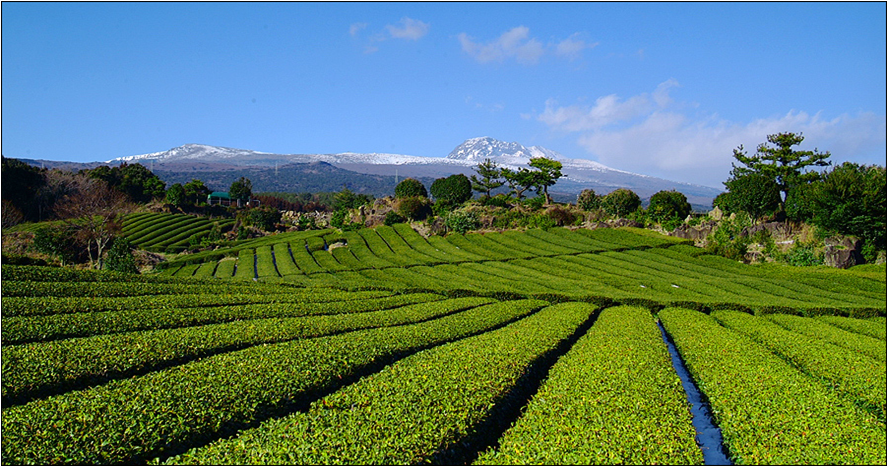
{"x": 219, "y": 194}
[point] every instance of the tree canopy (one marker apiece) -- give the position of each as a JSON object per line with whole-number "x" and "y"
{"x": 620, "y": 202}
{"x": 548, "y": 172}
{"x": 489, "y": 178}
{"x": 778, "y": 161}
{"x": 410, "y": 187}
{"x": 241, "y": 189}
{"x": 452, "y": 190}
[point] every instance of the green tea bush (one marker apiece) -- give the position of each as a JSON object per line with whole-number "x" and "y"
{"x": 134, "y": 420}
{"x": 768, "y": 411}
{"x": 609, "y": 386}
{"x": 436, "y": 406}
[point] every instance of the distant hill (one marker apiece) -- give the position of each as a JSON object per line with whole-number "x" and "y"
{"x": 294, "y": 178}
{"x": 376, "y": 173}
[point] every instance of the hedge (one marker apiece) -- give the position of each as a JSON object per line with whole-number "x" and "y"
{"x": 614, "y": 398}
{"x": 133, "y": 420}
{"x": 433, "y": 407}
{"x": 767, "y": 410}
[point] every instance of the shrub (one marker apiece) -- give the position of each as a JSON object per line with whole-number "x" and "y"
{"x": 501, "y": 201}
{"x": 414, "y": 207}
{"x": 56, "y": 241}
{"x": 120, "y": 257}
{"x": 409, "y": 188}
{"x": 461, "y": 222}
{"x": 453, "y": 190}
{"x": 561, "y": 216}
{"x": 754, "y": 194}
{"x": 668, "y": 206}
{"x": 392, "y": 218}
{"x": 620, "y": 202}
{"x": 587, "y": 200}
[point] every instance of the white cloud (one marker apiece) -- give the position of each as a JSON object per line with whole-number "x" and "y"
{"x": 517, "y": 44}
{"x": 408, "y": 28}
{"x": 355, "y": 28}
{"x": 648, "y": 134}
{"x": 572, "y": 47}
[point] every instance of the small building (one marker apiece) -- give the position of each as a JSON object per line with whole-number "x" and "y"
{"x": 219, "y": 197}
{"x": 225, "y": 199}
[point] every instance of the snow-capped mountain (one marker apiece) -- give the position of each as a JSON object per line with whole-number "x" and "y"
{"x": 475, "y": 150}
{"x": 577, "y": 173}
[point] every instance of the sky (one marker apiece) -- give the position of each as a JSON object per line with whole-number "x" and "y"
{"x": 660, "y": 89}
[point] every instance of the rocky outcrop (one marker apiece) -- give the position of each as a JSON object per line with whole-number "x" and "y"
{"x": 842, "y": 252}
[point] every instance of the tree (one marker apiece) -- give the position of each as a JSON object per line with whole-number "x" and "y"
{"x": 135, "y": 180}
{"x": 241, "y": 189}
{"x": 347, "y": 199}
{"x": 519, "y": 180}
{"x": 92, "y": 213}
{"x": 491, "y": 177}
{"x": 453, "y": 190}
{"x": 620, "y": 202}
{"x": 587, "y": 200}
{"x": 176, "y": 195}
{"x": 410, "y": 187}
{"x": 120, "y": 257}
{"x": 668, "y": 206}
{"x": 548, "y": 172}
{"x": 195, "y": 191}
{"x": 780, "y": 163}
{"x": 755, "y": 194}
{"x": 850, "y": 200}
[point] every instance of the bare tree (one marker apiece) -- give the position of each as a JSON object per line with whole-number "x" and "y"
{"x": 93, "y": 211}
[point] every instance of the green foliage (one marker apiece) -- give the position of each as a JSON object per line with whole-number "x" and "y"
{"x": 196, "y": 192}
{"x": 501, "y": 201}
{"x": 768, "y": 411}
{"x": 755, "y": 194}
{"x": 548, "y": 172}
{"x": 489, "y": 178}
{"x": 802, "y": 255}
{"x": 666, "y": 206}
{"x": 56, "y": 241}
{"x": 461, "y": 222}
{"x": 120, "y": 257}
{"x": 726, "y": 240}
{"x": 439, "y": 377}
{"x": 122, "y": 423}
{"x": 561, "y": 216}
{"x": 306, "y": 223}
{"x": 536, "y": 203}
{"x": 621, "y": 363}
{"x": 22, "y": 184}
{"x": 392, "y": 218}
{"x": 135, "y": 180}
{"x": 850, "y": 200}
{"x": 175, "y": 195}
{"x": 858, "y": 377}
{"x": 347, "y": 199}
{"x": 587, "y": 200}
{"x": 411, "y": 188}
{"x": 453, "y": 190}
{"x": 414, "y": 208}
{"x": 241, "y": 189}
{"x": 620, "y": 202}
{"x": 264, "y": 218}
{"x": 780, "y": 163}
{"x": 519, "y": 180}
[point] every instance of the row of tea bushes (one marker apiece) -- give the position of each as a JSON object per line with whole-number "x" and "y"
{"x": 122, "y": 289}
{"x": 860, "y": 378}
{"x": 34, "y": 370}
{"x": 614, "y": 398}
{"x": 768, "y": 411}
{"x": 434, "y": 406}
{"x": 133, "y": 420}
{"x": 872, "y": 327}
{"x": 33, "y": 306}
{"x": 819, "y": 329}
{"x": 24, "y": 329}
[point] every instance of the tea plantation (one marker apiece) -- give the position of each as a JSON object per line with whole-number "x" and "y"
{"x": 384, "y": 347}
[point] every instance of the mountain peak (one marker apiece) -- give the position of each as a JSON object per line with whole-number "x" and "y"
{"x": 485, "y": 147}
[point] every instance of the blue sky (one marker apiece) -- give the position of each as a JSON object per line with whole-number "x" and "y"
{"x": 663, "y": 89}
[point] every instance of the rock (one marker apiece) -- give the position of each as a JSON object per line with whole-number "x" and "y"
{"x": 716, "y": 214}
{"x": 841, "y": 258}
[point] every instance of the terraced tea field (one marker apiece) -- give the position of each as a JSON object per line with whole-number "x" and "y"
{"x": 381, "y": 346}
{"x": 170, "y": 233}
